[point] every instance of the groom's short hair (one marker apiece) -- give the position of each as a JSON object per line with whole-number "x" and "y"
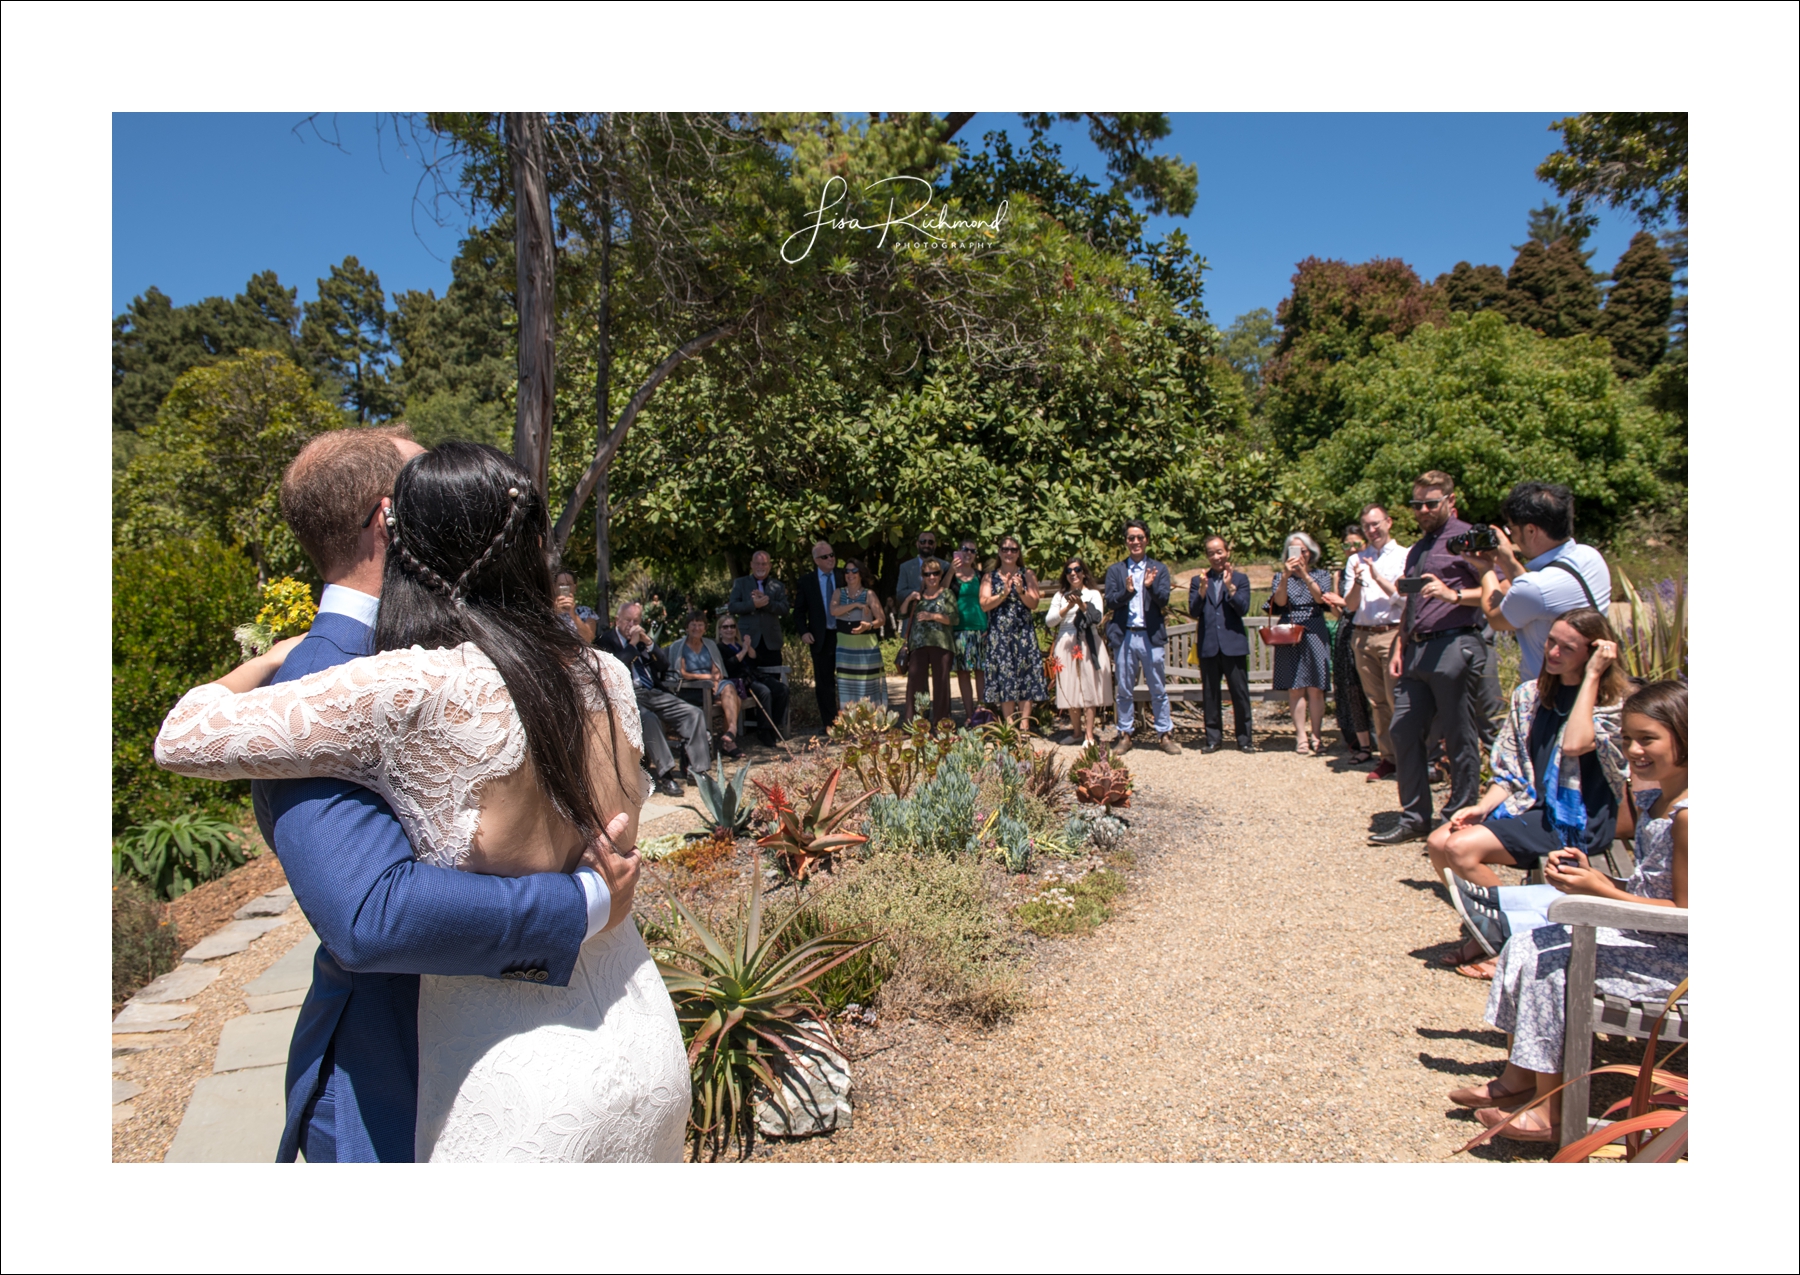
{"x": 328, "y": 490}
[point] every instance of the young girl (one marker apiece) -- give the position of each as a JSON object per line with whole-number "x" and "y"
{"x": 1526, "y": 1000}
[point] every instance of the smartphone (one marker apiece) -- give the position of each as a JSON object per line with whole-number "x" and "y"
{"x": 565, "y": 591}
{"x": 1410, "y": 584}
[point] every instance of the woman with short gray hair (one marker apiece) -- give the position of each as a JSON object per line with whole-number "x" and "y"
{"x": 1303, "y": 669}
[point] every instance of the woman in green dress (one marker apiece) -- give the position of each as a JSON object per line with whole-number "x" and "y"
{"x": 971, "y": 630}
{"x": 933, "y": 613}
{"x": 860, "y": 674}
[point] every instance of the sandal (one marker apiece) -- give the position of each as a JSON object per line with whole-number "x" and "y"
{"x": 1481, "y": 970}
{"x": 1361, "y": 757}
{"x": 728, "y": 745}
{"x": 1490, "y": 1095}
{"x": 1469, "y": 952}
{"x": 1493, "y": 1117}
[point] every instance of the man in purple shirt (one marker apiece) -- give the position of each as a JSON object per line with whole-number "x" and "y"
{"x": 1438, "y": 664}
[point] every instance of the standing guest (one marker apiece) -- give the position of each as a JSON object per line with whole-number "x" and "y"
{"x": 909, "y": 581}
{"x": 1373, "y": 603}
{"x": 760, "y": 601}
{"x": 819, "y": 628}
{"x": 1015, "y": 666}
{"x": 1137, "y": 594}
{"x": 700, "y": 664}
{"x": 860, "y": 675}
{"x": 932, "y": 613}
{"x": 971, "y": 630}
{"x": 583, "y": 619}
{"x": 1218, "y": 599}
{"x": 1083, "y": 669}
{"x": 1437, "y": 664}
{"x": 756, "y": 686}
{"x": 661, "y": 711}
{"x": 1303, "y": 670}
{"x": 1352, "y": 705}
{"x": 1539, "y": 572}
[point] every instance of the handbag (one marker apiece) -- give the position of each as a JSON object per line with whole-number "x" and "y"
{"x": 1282, "y": 634}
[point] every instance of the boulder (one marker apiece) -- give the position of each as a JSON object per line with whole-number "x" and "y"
{"x": 815, "y": 1092}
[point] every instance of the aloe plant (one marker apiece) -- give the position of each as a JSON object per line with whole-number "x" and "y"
{"x": 175, "y": 855}
{"x": 1655, "y": 643}
{"x": 745, "y": 1007}
{"x": 801, "y": 839}
{"x": 722, "y": 803}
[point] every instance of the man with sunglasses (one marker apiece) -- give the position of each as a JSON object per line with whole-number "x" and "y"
{"x": 819, "y": 628}
{"x": 1137, "y": 594}
{"x": 1437, "y": 665}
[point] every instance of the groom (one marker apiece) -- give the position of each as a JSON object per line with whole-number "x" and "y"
{"x": 383, "y": 918}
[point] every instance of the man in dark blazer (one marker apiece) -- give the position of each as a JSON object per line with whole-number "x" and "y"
{"x": 818, "y": 627}
{"x": 383, "y": 917}
{"x": 1137, "y": 594}
{"x": 760, "y": 601}
{"x": 661, "y": 712}
{"x": 1218, "y": 599}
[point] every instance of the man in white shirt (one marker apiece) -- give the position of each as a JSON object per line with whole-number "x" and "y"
{"x": 1371, "y": 593}
{"x": 1539, "y": 572}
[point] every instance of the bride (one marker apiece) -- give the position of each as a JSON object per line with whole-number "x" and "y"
{"x": 499, "y": 739}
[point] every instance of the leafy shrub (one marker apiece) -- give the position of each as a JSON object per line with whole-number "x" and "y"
{"x": 1071, "y": 907}
{"x": 172, "y": 856}
{"x": 174, "y": 607}
{"x": 145, "y": 944}
{"x": 939, "y": 818}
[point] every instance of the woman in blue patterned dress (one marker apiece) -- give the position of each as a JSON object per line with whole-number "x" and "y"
{"x": 1298, "y": 596}
{"x": 860, "y": 673}
{"x": 1527, "y": 996}
{"x": 1015, "y": 665}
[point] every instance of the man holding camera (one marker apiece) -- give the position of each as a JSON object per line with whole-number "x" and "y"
{"x": 1537, "y": 571}
{"x": 1438, "y": 663}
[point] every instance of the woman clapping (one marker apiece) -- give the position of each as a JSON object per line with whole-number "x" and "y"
{"x": 1083, "y": 665}
{"x": 1015, "y": 673}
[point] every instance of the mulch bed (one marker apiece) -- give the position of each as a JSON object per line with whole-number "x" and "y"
{"x": 206, "y": 908}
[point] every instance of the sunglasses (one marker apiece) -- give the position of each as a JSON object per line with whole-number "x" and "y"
{"x": 824, "y": 557}
{"x": 931, "y": 575}
{"x": 372, "y": 513}
{"x": 852, "y": 571}
{"x": 1426, "y": 504}
{"x": 1009, "y": 548}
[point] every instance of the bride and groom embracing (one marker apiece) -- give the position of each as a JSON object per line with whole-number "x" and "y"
{"x": 450, "y": 779}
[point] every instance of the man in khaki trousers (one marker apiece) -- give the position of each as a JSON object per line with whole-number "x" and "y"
{"x": 1374, "y": 601}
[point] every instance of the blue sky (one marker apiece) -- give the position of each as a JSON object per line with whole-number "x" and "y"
{"x": 203, "y": 201}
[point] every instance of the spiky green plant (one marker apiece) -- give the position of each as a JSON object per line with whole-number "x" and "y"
{"x": 1655, "y": 646}
{"x": 1014, "y": 842}
{"x": 722, "y": 803}
{"x": 172, "y": 856}
{"x": 801, "y": 838}
{"x": 746, "y": 1005}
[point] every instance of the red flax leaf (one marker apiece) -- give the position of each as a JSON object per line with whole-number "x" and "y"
{"x": 1582, "y": 1148}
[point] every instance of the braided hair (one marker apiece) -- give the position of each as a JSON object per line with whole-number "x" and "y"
{"x": 465, "y": 563}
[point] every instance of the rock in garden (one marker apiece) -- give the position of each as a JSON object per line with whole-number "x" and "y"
{"x": 816, "y": 1092}
{"x": 178, "y": 984}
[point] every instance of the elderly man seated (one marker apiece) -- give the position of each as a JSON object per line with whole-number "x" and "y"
{"x": 662, "y": 712}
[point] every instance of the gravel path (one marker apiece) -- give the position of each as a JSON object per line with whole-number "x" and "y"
{"x": 1268, "y": 991}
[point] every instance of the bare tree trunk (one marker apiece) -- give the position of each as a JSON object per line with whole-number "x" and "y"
{"x": 603, "y": 417}
{"x": 535, "y": 247}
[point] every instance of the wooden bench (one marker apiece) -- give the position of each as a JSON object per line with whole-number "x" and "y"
{"x": 1182, "y": 679}
{"x": 1585, "y": 1013}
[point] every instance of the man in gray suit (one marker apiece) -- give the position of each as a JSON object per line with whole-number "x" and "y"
{"x": 760, "y": 601}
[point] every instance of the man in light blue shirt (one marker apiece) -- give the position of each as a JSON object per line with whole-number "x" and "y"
{"x": 1539, "y": 572}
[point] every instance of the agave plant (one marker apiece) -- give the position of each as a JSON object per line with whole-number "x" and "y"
{"x": 175, "y": 855}
{"x": 1046, "y": 779}
{"x": 1654, "y": 645}
{"x": 746, "y": 1005}
{"x": 802, "y": 838}
{"x": 722, "y": 804}
{"x": 1099, "y": 780}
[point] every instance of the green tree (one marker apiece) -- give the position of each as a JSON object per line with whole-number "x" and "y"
{"x": 1545, "y": 225}
{"x": 455, "y": 362}
{"x": 212, "y": 462}
{"x": 1636, "y": 161}
{"x": 345, "y": 334}
{"x": 174, "y": 607}
{"x": 1334, "y": 314}
{"x": 1471, "y": 289}
{"x": 1247, "y": 345}
{"x": 1552, "y": 290}
{"x": 155, "y": 341}
{"x": 1635, "y": 321}
{"x": 1491, "y": 404}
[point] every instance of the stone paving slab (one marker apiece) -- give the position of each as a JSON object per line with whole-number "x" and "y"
{"x": 656, "y": 811}
{"x": 233, "y": 1119}
{"x": 136, "y": 1017}
{"x": 292, "y": 972}
{"x": 135, "y": 1029}
{"x": 256, "y": 1040}
{"x": 125, "y": 1090}
{"x": 178, "y": 984}
{"x": 274, "y": 903}
{"x": 123, "y": 1111}
{"x": 232, "y": 939}
{"x": 275, "y": 1000}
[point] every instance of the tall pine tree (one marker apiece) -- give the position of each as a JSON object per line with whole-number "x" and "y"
{"x": 1471, "y": 289}
{"x": 1552, "y": 290}
{"x": 345, "y": 334}
{"x": 1636, "y": 318}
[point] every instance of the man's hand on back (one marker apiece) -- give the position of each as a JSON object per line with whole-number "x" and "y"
{"x": 617, "y": 866}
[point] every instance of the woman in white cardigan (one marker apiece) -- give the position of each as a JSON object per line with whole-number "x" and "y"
{"x": 1082, "y": 664}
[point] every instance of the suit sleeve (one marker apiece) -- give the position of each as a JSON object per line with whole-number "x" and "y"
{"x": 1159, "y": 592}
{"x": 377, "y": 909}
{"x": 803, "y": 607}
{"x": 1194, "y": 596}
{"x": 778, "y": 603}
{"x": 1117, "y": 585}
{"x": 1239, "y": 600}
{"x": 740, "y": 603}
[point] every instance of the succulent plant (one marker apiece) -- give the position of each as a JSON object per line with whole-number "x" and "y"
{"x": 1102, "y": 783}
{"x": 722, "y": 804}
{"x": 803, "y": 838}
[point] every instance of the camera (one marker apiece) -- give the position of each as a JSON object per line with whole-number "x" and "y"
{"x": 1477, "y": 539}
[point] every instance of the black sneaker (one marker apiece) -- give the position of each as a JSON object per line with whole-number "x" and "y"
{"x": 1246, "y": 748}
{"x": 1479, "y": 908}
{"x": 1399, "y": 835}
{"x": 670, "y": 786}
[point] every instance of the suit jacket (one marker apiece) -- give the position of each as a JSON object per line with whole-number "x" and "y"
{"x": 615, "y": 646}
{"x": 1118, "y": 604}
{"x": 383, "y": 919}
{"x": 761, "y": 625}
{"x": 809, "y": 607}
{"x": 1221, "y": 623}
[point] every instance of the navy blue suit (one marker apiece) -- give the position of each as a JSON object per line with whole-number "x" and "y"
{"x": 383, "y": 919}
{"x": 1224, "y": 652}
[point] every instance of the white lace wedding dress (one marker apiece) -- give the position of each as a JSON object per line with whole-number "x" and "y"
{"x": 508, "y": 1070}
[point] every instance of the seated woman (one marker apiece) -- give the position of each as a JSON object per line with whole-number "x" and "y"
{"x": 1559, "y": 774}
{"x": 699, "y": 661}
{"x": 755, "y": 686}
{"x": 1527, "y": 998}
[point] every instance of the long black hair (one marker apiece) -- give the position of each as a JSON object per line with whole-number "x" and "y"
{"x": 465, "y": 563}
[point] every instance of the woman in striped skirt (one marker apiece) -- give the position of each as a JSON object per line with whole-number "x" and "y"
{"x": 860, "y": 672}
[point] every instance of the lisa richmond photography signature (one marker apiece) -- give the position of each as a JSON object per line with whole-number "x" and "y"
{"x": 937, "y": 227}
